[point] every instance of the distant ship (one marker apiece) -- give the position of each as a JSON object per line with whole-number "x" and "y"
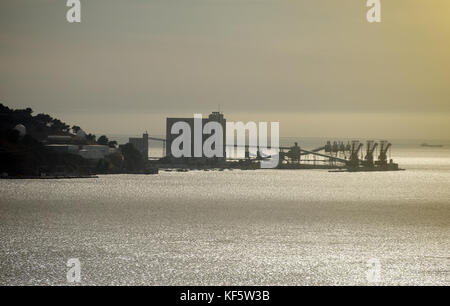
{"x": 432, "y": 146}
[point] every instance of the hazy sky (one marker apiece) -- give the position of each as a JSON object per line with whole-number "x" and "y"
{"x": 316, "y": 66}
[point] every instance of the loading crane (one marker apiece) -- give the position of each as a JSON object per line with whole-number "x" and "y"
{"x": 368, "y": 159}
{"x": 353, "y": 162}
{"x": 294, "y": 153}
{"x": 338, "y": 149}
{"x": 332, "y": 148}
{"x": 290, "y": 154}
{"x": 382, "y": 157}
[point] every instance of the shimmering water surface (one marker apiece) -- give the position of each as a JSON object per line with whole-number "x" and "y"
{"x": 264, "y": 227}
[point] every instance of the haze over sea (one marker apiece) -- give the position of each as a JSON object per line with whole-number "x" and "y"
{"x": 264, "y": 227}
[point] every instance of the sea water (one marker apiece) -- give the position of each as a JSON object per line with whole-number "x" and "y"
{"x": 263, "y": 227}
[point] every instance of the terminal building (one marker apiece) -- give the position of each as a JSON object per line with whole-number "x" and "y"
{"x": 213, "y": 117}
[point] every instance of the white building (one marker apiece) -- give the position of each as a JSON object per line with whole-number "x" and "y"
{"x": 92, "y": 152}
{"x": 96, "y": 151}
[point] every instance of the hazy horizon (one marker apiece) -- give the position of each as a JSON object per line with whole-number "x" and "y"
{"x": 317, "y": 67}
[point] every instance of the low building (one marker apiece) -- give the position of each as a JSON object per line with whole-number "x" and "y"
{"x": 95, "y": 151}
{"x": 91, "y": 152}
{"x": 58, "y": 139}
{"x": 63, "y": 148}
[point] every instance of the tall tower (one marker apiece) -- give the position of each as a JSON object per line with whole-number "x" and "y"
{"x": 218, "y": 117}
{"x": 145, "y": 145}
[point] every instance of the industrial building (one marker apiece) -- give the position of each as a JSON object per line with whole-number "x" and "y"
{"x": 141, "y": 144}
{"x": 213, "y": 117}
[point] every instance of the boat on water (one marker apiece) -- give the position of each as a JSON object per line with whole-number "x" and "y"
{"x": 431, "y": 145}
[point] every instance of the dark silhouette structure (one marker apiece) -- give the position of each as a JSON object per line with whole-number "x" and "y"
{"x": 213, "y": 117}
{"x": 141, "y": 144}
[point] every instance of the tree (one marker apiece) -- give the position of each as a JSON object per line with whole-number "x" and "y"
{"x": 103, "y": 140}
{"x": 90, "y": 138}
{"x": 58, "y": 126}
{"x": 25, "y": 113}
{"x": 75, "y": 129}
{"x": 13, "y": 136}
{"x": 44, "y": 119}
{"x": 132, "y": 158}
{"x": 5, "y": 109}
{"x": 112, "y": 144}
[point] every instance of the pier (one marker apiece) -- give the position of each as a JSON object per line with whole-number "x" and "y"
{"x": 338, "y": 156}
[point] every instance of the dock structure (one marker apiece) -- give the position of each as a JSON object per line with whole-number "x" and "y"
{"x": 332, "y": 156}
{"x": 336, "y": 155}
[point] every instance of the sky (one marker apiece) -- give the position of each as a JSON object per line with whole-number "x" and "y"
{"x": 317, "y": 67}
